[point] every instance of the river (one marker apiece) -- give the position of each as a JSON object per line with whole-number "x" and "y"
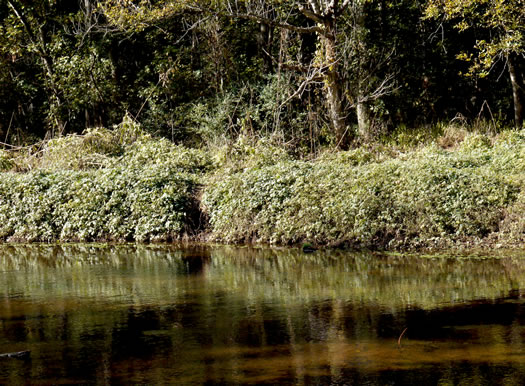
{"x": 194, "y": 314}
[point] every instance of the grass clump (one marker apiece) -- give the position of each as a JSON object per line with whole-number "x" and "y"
{"x": 94, "y": 149}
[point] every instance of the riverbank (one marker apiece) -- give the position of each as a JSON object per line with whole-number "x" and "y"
{"x": 124, "y": 185}
{"x": 429, "y": 197}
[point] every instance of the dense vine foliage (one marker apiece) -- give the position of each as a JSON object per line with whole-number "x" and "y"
{"x": 123, "y": 184}
{"x": 430, "y": 197}
{"x": 103, "y": 190}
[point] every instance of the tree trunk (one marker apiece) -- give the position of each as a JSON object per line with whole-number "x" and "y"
{"x": 334, "y": 93}
{"x": 362, "y": 74}
{"x": 516, "y": 81}
{"x": 264, "y": 42}
{"x": 363, "y": 120}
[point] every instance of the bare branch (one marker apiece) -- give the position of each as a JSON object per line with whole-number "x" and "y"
{"x": 191, "y": 28}
{"x": 315, "y": 75}
{"x": 386, "y": 87}
{"x": 273, "y": 23}
{"x": 311, "y": 15}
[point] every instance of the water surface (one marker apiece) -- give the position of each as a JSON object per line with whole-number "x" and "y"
{"x": 194, "y": 315}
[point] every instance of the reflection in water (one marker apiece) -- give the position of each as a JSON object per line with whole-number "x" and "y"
{"x": 165, "y": 314}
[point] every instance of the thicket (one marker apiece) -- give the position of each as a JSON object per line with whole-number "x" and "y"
{"x": 379, "y": 197}
{"x": 258, "y": 95}
{"x": 206, "y": 72}
{"x": 457, "y": 189}
{"x": 105, "y": 185}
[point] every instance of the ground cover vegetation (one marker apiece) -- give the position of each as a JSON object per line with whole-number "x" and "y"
{"x": 104, "y": 185}
{"x": 367, "y": 123}
{"x": 457, "y": 189}
{"x": 429, "y": 197}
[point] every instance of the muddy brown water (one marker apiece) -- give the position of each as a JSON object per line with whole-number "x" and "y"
{"x": 126, "y": 314}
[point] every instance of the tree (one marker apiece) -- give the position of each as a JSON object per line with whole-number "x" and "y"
{"x": 505, "y": 19}
{"x": 333, "y": 22}
{"x": 32, "y": 20}
{"x": 48, "y": 48}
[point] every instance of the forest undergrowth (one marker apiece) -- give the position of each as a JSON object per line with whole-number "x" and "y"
{"x": 458, "y": 188}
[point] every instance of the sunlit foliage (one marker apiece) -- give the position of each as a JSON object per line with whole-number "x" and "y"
{"x": 111, "y": 185}
{"x": 427, "y": 198}
{"x": 505, "y": 18}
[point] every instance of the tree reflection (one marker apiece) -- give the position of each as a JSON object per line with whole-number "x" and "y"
{"x": 143, "y": 314}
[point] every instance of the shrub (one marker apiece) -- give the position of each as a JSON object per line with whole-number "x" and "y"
{"x": 153, "y": 203}
{"x": 432, "y": 196}
{"x": 248, "y": 152}
{"x": 147, "y": 152}
{"x": 258, "y": 110}
{"x": 142, "y": 189}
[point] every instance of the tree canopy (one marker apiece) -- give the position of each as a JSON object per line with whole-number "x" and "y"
{"x": 309, "y": 73}
{"x": 505, "y": 20}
